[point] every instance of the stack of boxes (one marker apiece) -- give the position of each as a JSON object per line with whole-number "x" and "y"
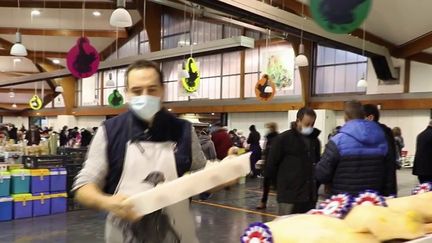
{"x": 28, "y": 193}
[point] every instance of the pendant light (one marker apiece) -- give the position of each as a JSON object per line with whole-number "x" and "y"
{"x": 59, "y": 89}
{"x": 110, "y": 82}
{"x": 301, "y": 59}
{"x": 362, "y": 83}
{"x": 18, "y": 49}
{"x": 14, "y": 105}
{"x": 12, "y": 94}
{"x": 121, "y": 17}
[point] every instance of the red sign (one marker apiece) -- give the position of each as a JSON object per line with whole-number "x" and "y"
{"x": 83, "y": 59}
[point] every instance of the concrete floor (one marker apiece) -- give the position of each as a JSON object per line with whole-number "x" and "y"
{"x": 222, "y": 218}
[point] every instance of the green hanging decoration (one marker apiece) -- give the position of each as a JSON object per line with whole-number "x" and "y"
{"x": 340, "y": 16}
{"x": 115, "y": 99}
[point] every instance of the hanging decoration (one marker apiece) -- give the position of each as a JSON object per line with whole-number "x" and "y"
{"x": 340, "y": 17}
{"x": 369, "y": 197}
{"x": 83, "y": 59}
{"x": 191, "y": 83}
{"x": 115, "y": 99}
{"x": 257, "y": 233}
{"x": 265, "y": 88}
{"x": 35, "y": 102}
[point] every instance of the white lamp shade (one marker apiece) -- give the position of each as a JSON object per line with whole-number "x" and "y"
{"x": 14, "y": 106}
{"x": 268, "y": 90}
{"x": 18, "y": 49}
{"x": 59, "y": 89}
{"x": 11, "y": 94}
{"x": 301, "y": 61}
{"x": 110, "y": 83}
{"x": 121, "y": 18}
{"x": 362, "y": 83}
{"x": 183, "y": 74}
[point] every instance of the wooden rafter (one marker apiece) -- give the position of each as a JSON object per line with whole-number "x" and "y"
{"x": 22, "y": 91}
{"x": 414, "y": 46}
{"x": 64, "y": 4}
{"x": 36, "y": 54}
{"x": 65, "y": 32}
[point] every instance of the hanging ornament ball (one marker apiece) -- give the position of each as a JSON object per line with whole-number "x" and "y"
{"x": 422, "y": 188}
{"x": 265, "y": 89}
{"x": 35, "y": 102}
{"x": 340, "y": 16}
{"x": 115, "y": 99}
{"x": 369, "y": 197}
{"x": 191, "y": 81}
{"x": 337, "y": 206}
{"x": 257, "y": 233}
{"x": 83, "y": 59}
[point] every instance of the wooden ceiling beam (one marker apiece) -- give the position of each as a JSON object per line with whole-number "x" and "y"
{"x": 37, "y": 54}
{"x": 63, "y": 4}
{"x": 414, "y": 46}
{"x": 65, "y": 32}
{"x": 422, "y": 57}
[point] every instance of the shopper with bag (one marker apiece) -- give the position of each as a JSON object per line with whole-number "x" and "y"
{"x": 134, "y": 152}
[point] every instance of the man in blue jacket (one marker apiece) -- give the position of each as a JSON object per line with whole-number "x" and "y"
{"x": 354, "y": 159}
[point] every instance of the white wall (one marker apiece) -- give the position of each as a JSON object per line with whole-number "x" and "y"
{"x": 18, "y": 121}
{"x": 421, "y": 77}
{"x": 373, "y": 83}
{"x": 242, "y": 121}
{"x": 411, "y": 122}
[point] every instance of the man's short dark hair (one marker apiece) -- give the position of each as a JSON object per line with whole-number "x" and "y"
{"x": 371, "y": 109}
{"x": 305, "y": 111}
{"x": 354, "y": 110}
{"x": 142, "y": 64}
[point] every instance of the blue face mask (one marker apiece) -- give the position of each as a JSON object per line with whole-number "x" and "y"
{"x": 307, "y": 131}
{"x": 145, "y": 106}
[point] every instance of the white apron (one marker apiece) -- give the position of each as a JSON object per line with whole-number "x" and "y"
{"x": 147, "y": 164}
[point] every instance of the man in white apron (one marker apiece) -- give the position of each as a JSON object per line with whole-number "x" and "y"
{"x": 134, "y": 152}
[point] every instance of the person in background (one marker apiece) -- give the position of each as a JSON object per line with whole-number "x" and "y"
{"x": 242, "y": 139}
{"x": 33, "y": 136}
{"x": 64, "y": 136}
{"x": 272, "y": 133}
{"x": 86, "y": 137}
{"x": 334, "y": 132}
{"x": 13, "y": 132}
{"x": 235, "y": 139}
{"x": 222, "y": 141}
{"x": 207, "y": 145}
{"x": 254, "y": 147}
{"x": 291, "y": 162}
{"x": 423, "y": 156}
{"x": 3, "y": 138}
{"x": 400, "y": 144}
{"x": 355, "y": 159}
{"x": 392, "y": 159}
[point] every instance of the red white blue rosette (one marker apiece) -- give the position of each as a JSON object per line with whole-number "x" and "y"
{"x": 369, "y": 197}
{"x": 422, "y": 188}
{"x": 257, "y": 233}
{"x": 337, "y": 206}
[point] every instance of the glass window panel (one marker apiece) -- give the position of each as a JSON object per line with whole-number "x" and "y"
{"x": 59, "y": 101}
{"x": 144, "y": 47}
{"x": 329, "y": 56}
{"x": 231, "y": 63}
{"x": 340, "y": 79}
{"x": 329, "y": 76}
{"x": 107, "y": 93}
{"x": 231, "y": 87}
{"x": 351, "y": 57}
{"x": 319, "y": 80}
{"x": 320, "y": 55}
{"x": 351, "y": 78}
{"x": 253, "y": 34}
{"x": 340, "y": 56}
{"x": 252, "y": 60}
{"x": 250, "y": 81}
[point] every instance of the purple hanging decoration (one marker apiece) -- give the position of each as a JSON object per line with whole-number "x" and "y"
{"x": 83, "y": 59}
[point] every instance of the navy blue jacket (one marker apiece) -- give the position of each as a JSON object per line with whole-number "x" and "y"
{"x": 128, "y": 127}
{"x": 356, "y": 159}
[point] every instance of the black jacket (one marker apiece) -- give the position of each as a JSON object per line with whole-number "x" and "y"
{"x": 391, "y": 162}
{"x": 423, "y": 156}
{"x": 269, "y": 140}
{"x": 355, "y": 159}
{"x": 291, "y": 164}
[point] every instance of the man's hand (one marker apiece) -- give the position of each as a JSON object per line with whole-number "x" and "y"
{"x": 116, "y": 205}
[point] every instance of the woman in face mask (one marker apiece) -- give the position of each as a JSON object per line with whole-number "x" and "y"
{"x": 291, "y": 162}
{"x": 134, "y": 152}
